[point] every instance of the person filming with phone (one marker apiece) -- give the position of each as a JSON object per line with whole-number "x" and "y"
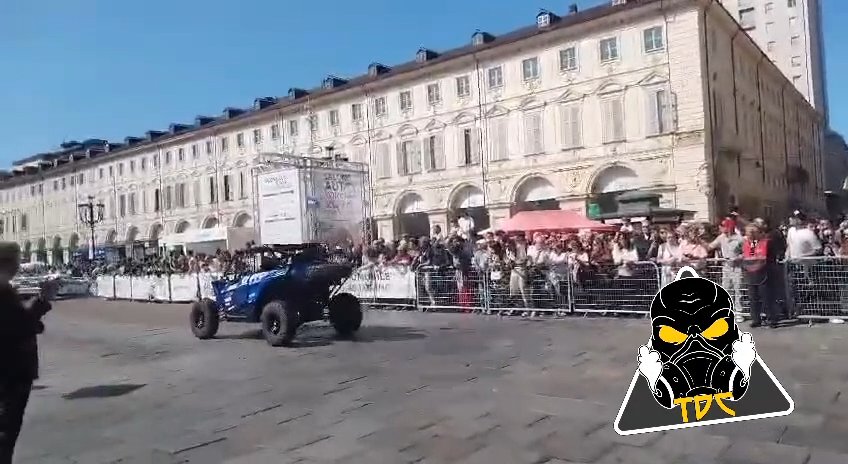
{"x": 20, "y": 323}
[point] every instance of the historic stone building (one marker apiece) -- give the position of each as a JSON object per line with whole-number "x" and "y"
{"x": 662, "y": 96}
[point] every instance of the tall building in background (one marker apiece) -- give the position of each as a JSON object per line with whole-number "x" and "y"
{"x": 790, "y": 33}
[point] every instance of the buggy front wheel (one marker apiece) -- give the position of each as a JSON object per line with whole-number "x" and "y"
{"x": 345, "y": 314}
{"x": 279, "y": 323}
{"x": 204, "y": 319}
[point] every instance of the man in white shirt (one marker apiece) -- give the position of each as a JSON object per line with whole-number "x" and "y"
{"x": 802, "y": 242}
{"x": 466, "y": 226}
{"x": 730, "y": 244}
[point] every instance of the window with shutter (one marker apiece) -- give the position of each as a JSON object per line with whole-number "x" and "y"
{"x": 213, "y": 191}
{"x": 400, "y": 159}
{"x": 613, "y": 120}
{"x": 659, "y": 112}
{"x": 572, "y": 125}
{"x": 383, "y": 160}
{"x": 476, "y": 154}
{"x": 469, "y": 146}
{"x": 196, "y": 193}
{"x": 427, "y": 153}
{"x": 533, "y": 143}
{"x": 434, "y": 156}
{"x": 412, "y": 156}
{"x": 499, "y": 135}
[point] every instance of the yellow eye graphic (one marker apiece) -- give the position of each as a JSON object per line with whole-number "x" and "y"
{"x": 719, "y": 328}
{"x": 670, "y": 335}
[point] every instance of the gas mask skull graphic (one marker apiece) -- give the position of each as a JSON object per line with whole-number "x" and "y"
{"x": 696, "y": 347}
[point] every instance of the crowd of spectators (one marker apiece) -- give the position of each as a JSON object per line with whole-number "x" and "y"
{"x": 528, "y": 270}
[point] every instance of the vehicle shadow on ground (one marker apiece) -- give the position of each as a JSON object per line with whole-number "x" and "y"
{"x": 324, "y": 335}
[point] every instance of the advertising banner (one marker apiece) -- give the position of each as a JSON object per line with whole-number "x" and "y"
{"x": 280, "y": 208}
{"x": 382, "y": 282}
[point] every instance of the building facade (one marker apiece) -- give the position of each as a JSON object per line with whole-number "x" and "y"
{"x": 659, "y": 96}
{"x": 791, "y": 34}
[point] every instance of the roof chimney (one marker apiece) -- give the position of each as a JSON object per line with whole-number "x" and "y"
{"x": 573, "y": 8}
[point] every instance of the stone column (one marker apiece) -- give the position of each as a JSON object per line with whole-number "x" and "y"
{"x": 498, "y": 213}
{"x": 439, "y": 218}
{"x": 385, "y": 227}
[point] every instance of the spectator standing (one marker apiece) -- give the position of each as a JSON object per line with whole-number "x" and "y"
{"x": 755, "y": 259}
{"x": 729, "y": 243}
{"x": 19, "y": 326}
{"x": 624, "y": 255}
{"x": 466, "y": 226}
{"x": 801, "y": 240}
{"x": 668, "y": 256}
{"x": 641, "y": 239}
{"x": 692, "y": 248}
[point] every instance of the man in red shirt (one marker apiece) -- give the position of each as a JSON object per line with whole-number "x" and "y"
{"x": 755, "y": 262}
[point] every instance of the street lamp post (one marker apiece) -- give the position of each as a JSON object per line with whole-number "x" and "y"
{"x": 91, "y": 214}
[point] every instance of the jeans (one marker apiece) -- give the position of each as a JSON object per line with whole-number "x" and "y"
{"x": 761, "y": 298}
{"x": 14, "y": 396}
{"x": 731, "y": 280}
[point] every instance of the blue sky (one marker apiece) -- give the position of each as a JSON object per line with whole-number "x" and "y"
{"x": 77, "y": 69}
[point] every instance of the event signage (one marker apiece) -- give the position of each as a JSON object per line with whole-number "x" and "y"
{"x": 280, "y": 207}
{"x": 336, "y": 205}
{"x": 382, "y": 282}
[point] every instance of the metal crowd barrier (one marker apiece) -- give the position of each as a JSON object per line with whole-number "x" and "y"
{"x": 817, "y": 288}
{"x": 607, "y": 288}
{"x": 809, "y": 288}
{"x": 173, "y": 288}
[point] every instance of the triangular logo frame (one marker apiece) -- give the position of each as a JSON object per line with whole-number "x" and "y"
{"x": 637, "y": 376}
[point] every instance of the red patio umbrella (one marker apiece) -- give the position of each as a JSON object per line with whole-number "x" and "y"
{"x": 552, "y": 220}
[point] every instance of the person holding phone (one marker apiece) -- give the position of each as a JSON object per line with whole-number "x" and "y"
{"x": 19, "y": 326}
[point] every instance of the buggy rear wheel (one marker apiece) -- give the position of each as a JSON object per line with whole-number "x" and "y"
{"x": 345, "y": 314}
{"x": 279, "y": 323}
{"x": 204, "y": 319}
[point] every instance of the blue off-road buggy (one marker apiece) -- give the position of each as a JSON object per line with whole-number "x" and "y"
{"x": 294, "y": 285}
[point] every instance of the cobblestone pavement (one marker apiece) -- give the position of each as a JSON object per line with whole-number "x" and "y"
{"x": 429, "y": 388}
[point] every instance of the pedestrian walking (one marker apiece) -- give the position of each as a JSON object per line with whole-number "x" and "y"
{"x": 19, "y": 326}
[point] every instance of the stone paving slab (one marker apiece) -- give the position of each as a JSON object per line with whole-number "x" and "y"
{"x": 424, "y": 388}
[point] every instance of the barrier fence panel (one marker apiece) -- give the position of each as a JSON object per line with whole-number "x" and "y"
{"x": 810, "y": 288}
{"x": 445, "y": 288}
{"x": 180, "y": 288}
{"x": 383, "y": 285}
{"x": 609, "y": 288}
{"x": 526, "y": 290}
{"x": 817, "y": 288}
{"x": 105, "y": 286}
{"x": 123, "y": 288}
{"x": 205, "y": 280}
{"x": 731, "y": 276}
